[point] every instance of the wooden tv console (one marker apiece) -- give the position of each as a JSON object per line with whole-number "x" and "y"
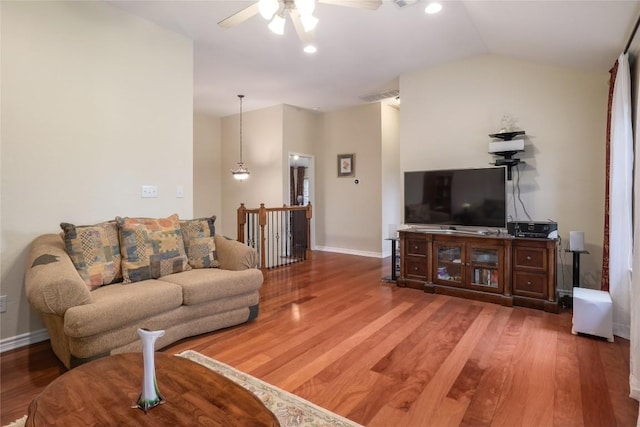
{"x": 500, "y": 269}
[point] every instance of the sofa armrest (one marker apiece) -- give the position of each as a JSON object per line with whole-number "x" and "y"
{"x": 52, "y": 283}
{"x": 234, "y": 255}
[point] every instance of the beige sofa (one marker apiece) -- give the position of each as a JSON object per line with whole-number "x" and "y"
{"x": 85, "y": 324}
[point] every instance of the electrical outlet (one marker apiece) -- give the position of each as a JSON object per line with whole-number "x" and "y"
{"x": 3, "y": 303}
{"x": 149, "y": 191}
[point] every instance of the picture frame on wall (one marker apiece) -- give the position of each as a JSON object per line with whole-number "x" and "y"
{"x": 346, "y": 165}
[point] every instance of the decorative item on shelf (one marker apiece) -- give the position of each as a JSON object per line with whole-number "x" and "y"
{"x": 150, "y": 396}
{"x": 508, "y": 123}
{"x": 241, "y": 172}
{"x": 506, "y": 146}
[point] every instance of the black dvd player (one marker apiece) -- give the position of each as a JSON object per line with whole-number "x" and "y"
{"x": 536, "y": 230}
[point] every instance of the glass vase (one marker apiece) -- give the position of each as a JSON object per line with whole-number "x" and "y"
{"x": 150, "y": 396}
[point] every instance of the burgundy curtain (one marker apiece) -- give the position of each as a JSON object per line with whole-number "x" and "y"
{"x": 300, "y": 181}
{"x": 604, "y": 284}
{"x": 296, "y": 184}
{"x": 292, "y": 186}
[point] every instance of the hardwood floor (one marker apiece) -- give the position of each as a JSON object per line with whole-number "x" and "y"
{"x": 332, "y": 332}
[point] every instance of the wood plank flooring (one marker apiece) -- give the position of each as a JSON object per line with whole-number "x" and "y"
{"x": 332, "y": 332}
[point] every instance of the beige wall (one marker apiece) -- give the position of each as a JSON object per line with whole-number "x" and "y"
{"x": 302, "y": 134}
{"x": 95, "y": 103}
{"x": 269, "y": 135}
{"x": 207, "y": 192}
{"x": 262, "y": 135}
{"x": 278, "y": 131}
{"x": 448, "y": 112}
{"x": 391, "y": 176}
{"x": 348, "y": 215}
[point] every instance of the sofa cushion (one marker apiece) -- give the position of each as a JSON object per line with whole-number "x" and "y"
{"x": 199, "y": 243}
{"x": 203, "y": 285}
{"x": 94, "y": 251}
{"x": 120, "y": 304}
{"x": 151, "y": 248}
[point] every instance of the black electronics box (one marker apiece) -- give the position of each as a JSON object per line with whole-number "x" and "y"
{"x": 536, "y": 230}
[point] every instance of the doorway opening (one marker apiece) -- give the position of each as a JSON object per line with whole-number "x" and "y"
{"x": 300, "y": 187}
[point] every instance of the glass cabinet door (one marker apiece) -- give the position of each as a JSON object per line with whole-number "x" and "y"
{"x": 484, "y": 265}
{"x": 449, "y": 267}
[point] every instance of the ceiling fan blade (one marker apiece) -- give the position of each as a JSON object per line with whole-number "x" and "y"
{"x": 240, "y": 17}
{"x": 361, "y": 4}
{"x": 305, "y": 37}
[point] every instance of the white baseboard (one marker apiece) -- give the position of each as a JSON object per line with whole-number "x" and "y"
{"x": 349, "y": 251}
{"x": 634, "y": 383}
{"x": 622, "y": 331}
{"x": 22, "y": 340}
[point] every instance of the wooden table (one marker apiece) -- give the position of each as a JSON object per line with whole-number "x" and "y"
{"x": 101, "y": 393}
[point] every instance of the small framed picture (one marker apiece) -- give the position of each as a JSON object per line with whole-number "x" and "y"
{"x": 346, "y": 165}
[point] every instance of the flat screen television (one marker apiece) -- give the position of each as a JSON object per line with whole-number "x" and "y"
{"x": 465, "y": 197}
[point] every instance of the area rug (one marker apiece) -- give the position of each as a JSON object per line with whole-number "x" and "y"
{"x": 18, "y": 423}
{"x": 291, "y": 410}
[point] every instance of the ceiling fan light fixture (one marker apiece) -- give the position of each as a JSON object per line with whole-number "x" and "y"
{"x": 309, "y": 22}
{"x": 305, "y": 7}
{"x": 433, "y": 7}
{"x": 310, "y": 48}
{"x": 277, "y": 24}
{"x": 268, "y": 8}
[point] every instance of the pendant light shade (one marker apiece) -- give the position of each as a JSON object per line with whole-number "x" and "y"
{"x": 241, "y": 172}
{"x": 305, "y": 7}
{"x": 277, "y": 25}
{"x": 268, "y": 8}
{"x": 309, "y": 22}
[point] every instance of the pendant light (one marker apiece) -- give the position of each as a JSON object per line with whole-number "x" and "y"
{"x": 241, "y": 172}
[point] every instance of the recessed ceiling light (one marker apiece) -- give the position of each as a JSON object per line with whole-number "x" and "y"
{"x": 310, "y": 48}
{"x": 433, "y": 7}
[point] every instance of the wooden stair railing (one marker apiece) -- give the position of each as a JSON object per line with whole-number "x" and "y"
{"x": 281, "y": 236}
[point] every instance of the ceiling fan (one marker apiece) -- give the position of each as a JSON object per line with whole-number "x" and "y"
{"x": 300, "y": 11}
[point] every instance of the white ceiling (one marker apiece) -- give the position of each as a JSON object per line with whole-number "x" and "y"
{"x": 363, "y": 52}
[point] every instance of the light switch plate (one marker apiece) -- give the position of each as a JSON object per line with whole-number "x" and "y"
{"x": 149, "y": 191}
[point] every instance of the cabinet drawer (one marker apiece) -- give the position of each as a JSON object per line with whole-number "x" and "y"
{"x": 530, "y": 284}
{"x": 416, "y": 247}
{"x": 416, "y": 267}
{"x": 530, "y": 258}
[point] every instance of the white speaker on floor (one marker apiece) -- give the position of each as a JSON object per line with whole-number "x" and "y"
{"x": 592, "y": 313}
{"x": 576, "y": 241}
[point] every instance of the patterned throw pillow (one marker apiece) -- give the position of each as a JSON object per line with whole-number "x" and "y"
{"x": 198, "y": 242}
{"x": 94, "y": 251}
{"x": 151, "y": 248}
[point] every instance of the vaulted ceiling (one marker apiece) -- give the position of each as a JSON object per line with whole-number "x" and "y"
{"x": 363, "y": 52}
